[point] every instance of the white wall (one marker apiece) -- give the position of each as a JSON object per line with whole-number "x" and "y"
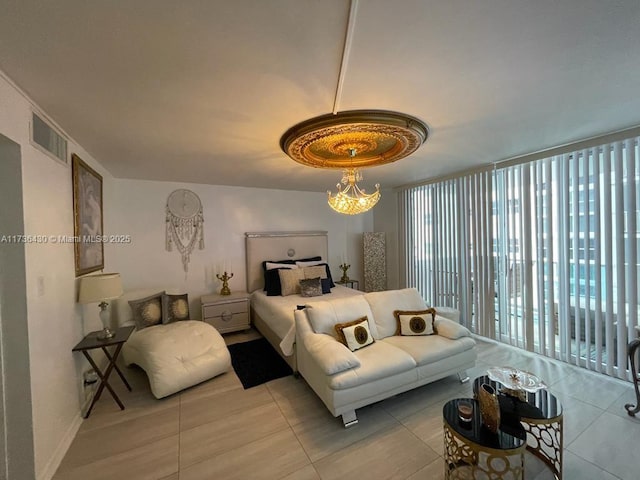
{"x": 55, "y": 322}
{"x": 229, "y": 213}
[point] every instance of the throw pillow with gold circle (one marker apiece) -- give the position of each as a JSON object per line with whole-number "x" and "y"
{"x": 356, "y": 334}
{"x": 420, "y": 322}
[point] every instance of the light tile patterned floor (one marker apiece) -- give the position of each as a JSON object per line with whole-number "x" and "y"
{"x": 281, "y": 430}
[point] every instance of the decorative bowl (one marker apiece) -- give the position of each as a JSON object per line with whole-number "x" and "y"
{"x": 514, "y": 379}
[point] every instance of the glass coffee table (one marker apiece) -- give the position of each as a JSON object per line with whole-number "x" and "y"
{"x": 471, "y": 451}
{"x": 540, "y": 414}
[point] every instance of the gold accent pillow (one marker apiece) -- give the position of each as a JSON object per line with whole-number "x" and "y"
{"x": 290, "y": 280}
{"x": 313, "y": 272}
{"x": 175, "y": 308}
{"x": 147, "y": 311}
{"x": 356, "y": 334}
{"x": 419, "y": 322}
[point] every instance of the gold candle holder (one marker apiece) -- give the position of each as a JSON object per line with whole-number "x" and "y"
{"x": 344, "y": 267}
{"x": 225, "y": 283}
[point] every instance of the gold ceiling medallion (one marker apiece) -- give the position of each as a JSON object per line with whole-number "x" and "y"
{"x": 379, "y": 137}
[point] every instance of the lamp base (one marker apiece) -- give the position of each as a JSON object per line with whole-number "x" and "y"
{"x": 106, "y": 334}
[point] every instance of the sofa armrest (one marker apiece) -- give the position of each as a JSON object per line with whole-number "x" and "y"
{"x": 329, "y": 354}
{"x": 450, "y": 329}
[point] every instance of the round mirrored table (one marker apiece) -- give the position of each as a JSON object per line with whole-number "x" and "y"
{"x": 540, "y": 414}
{"x": 471, "y": 451}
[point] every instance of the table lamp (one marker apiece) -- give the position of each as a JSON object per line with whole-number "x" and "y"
{"x": 99, "y": 289}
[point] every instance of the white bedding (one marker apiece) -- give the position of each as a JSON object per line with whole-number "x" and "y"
{"x": 277, "y": 311}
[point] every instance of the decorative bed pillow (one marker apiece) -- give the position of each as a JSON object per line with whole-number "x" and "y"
{"x": 314, "y": 272}
{"x": 147, "y": 311}
{"x": 273, "y": 265}
{"x": 326, "y": 285}
{"x": 418, "y": 322}
{"x": 290, "y": 280}
{"x": 309, "y": 263}
{"x": 356, "y": 334}
{"x": 272, "y": 280}
{"x": 311, "y": 287}
{"x": 175, "y": 308}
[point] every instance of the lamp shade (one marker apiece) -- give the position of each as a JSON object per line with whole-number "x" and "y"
{"x": 97, "y": 288}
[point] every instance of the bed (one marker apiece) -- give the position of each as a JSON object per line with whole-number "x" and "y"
{"x": 273, "y": 316}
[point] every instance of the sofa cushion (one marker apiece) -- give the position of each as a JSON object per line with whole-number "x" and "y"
{"x": 324, "y": 315}
{"x": 330, "y": 355}
{"x": 379, "y": 360}
{"x": 356, "y": 334}
{"x": 431, "y": 348}
{"x": 383, "y": 304}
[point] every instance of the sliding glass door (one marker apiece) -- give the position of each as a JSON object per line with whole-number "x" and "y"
{"x": 540, "y": 255}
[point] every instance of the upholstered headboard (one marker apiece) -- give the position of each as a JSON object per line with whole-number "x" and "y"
{"x": 261, "y": 246}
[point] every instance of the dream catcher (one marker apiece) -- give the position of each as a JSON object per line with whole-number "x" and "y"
{"x": 184, "y": 223}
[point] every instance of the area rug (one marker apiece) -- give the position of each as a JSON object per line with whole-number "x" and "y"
{"x": 256, "y": 362}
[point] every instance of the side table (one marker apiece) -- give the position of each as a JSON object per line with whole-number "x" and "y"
{"x": 91, "y": 342}
{"x": 471, "y": 451}
{"x": 355, "y": 284}
{"x": 540, "y": 414}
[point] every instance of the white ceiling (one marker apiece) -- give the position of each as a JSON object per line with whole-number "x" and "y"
{"x": 201, "y": 91}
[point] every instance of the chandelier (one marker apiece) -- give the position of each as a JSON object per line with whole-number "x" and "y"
{"x": 331, "y": 141}
{"x": 352, "y": 200}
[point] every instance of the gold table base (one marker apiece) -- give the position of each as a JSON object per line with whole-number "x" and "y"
{"x": 465, "y": 459}
{"x": 544, "y": 440}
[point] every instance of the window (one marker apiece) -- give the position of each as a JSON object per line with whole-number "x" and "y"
{"x": 541, "y": 255}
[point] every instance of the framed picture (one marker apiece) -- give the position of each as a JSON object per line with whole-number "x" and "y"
{"x": 87, "y": 217}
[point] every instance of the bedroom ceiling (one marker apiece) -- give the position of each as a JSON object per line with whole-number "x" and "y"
{"x": 202, "y": 91}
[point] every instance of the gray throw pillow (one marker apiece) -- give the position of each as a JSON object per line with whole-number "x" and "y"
{"x": 147, "y": 311}
{"x": 311, "y": 287}
{"x": 175, "y": 308}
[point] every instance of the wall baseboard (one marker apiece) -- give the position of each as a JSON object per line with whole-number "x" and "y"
{"x": 52, "y": 465}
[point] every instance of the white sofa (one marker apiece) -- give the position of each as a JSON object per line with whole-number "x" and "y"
{"x": 393, "y": 364}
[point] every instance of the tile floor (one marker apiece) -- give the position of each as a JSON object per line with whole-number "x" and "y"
{"x": 281, "y": 430}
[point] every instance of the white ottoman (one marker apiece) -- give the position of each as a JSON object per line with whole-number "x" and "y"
{"x": 177, "y": 355}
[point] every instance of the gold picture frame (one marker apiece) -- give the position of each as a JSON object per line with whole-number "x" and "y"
{"x": 87, "y": 217}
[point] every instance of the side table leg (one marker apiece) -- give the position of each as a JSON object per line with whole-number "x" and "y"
{"x": 104, "y": 381}
{"x": 113, "y": 360}
{"x": 632, "y": 349}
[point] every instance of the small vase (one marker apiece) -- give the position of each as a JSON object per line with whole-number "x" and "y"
{"x": 489, "y": 407}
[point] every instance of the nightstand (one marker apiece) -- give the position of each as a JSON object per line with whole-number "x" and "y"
{"x": 355, "y": 284}
{"x": 227, "y": 313}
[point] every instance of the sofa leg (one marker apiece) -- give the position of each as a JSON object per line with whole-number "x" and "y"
{"x": 463, "y": 377}
{"x": 349, "y": 419}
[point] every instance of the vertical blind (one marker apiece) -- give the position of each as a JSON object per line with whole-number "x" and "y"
{"x": 541, "y": 255}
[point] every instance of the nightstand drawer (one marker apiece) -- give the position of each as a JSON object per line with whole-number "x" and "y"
{"x": 229, "y": 322}
{"x": 227, "y": 313}
{"x": 225, "y": 309}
